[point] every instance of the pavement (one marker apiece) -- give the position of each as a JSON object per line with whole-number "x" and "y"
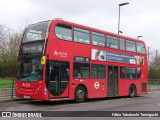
{"x": 9, "y": 98}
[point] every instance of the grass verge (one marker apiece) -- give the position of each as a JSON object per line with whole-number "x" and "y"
{"x": 6, "y": 83}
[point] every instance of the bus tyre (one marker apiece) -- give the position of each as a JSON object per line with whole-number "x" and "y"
{"x": 132, "y": 91}
{"x": 80, "y": 94}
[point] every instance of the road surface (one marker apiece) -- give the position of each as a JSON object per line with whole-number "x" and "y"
{"x": 148, "y": 102}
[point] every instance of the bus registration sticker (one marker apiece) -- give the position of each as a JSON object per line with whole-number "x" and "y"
{"x": 96, "y": 85}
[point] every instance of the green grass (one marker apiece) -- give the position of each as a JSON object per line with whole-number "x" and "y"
{"x": 154, "y": 87}
{"x": 6, "y": 82}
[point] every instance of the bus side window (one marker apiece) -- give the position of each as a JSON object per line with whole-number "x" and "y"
{"x": 122, "y": 72}
{"x": 138, "y": 73}
{"x": 63, "y": 32}
{"x": 140, "y": 48}
{"x": 81, "y": 35}
{"x": 77, "y": 74}
{"x": 81, "y": 70}
{"x": 112, "y": 42}
{"x": 131, "y": 73}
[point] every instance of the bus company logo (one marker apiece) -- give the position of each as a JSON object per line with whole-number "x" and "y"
{"x": 26, "y": 85}
{"x": 61, "y": 54}
{"x": 96, "y": 85}
{"x": 6, "y": 114}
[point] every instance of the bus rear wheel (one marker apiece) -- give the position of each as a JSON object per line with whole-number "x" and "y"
{"x": 132, "y": 91}
{"x": 80, "y": 94}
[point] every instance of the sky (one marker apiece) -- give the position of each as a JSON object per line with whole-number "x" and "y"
{"x": 138, "y": 18}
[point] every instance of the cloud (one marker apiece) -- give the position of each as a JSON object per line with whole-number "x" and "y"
{"x": 140, "y": 17}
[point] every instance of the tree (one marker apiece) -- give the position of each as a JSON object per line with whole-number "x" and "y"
{"x": 9, "y": 46}
{"x": 3, "y": 47}
{"x": 154, "y": 66}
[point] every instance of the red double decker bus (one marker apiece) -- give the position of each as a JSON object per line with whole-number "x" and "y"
{"x": 60, "y": 60}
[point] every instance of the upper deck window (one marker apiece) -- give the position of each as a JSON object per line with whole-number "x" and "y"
{"x": 130, "y": 46}
{"x": 98, "y": 39}
{"x": 36, "y": 32}
{"x": 112, "y": 42}
{"x": 81, "y": 35}
{"x": 63, "y": 32}
{"x": 140, "y": 48}
{"x": 122, "y": 45}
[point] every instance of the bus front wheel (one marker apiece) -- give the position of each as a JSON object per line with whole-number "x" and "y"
{"x": 80, "y": 94}
{"x": 132, "y": 91}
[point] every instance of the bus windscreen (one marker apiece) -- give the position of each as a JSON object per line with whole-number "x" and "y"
{"x": 29, "y": 69}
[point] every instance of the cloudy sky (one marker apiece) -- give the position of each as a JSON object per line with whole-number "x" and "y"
{"x": 138, "y": 18}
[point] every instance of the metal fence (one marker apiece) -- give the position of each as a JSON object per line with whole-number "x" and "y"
{"x": 7, "y": 89}
{"x": 153, "y": 84}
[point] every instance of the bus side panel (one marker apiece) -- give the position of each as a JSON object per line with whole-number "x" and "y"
{"x": 95, "y": 88}
{"x": 125, "y": 84}
{"x": 122, "y": 88}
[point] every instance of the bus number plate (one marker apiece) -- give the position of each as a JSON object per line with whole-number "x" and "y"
{"x": 26, "y": 97}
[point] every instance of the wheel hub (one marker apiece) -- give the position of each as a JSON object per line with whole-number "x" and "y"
{"x": 80, "y": 94}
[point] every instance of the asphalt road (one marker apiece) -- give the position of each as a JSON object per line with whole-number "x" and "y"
{"x": 148, "y": 102}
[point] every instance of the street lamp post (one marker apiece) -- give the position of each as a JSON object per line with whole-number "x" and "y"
{"x": 122, "y": 4}
{"x": 139, "y": 36}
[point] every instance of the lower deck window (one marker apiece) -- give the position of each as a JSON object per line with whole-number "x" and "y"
{"x": 81, "y": 70}
{"x": 130, "y": 72}
{"x": 98, "y": 71}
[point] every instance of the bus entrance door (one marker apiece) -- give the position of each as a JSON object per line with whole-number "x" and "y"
{"x": 58, "y": 79}
{"x": 112, "y": 81}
